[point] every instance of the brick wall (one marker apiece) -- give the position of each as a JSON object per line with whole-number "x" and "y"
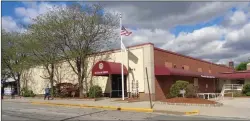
{"x": 162, "y": 57}
{"x": 171, "y": 59}
{"x": 164, "y": 83}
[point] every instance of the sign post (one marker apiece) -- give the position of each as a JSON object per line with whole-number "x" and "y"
{"x": 182, "y": 92}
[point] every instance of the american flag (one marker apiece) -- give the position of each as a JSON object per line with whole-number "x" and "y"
{"x": 125, "y": 32}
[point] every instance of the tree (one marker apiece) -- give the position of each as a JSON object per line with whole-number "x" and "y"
{"x": 79, "y": 32}
{"x": 14, "y": 57}
{"x": 43, "y": 46}
{"x": 242, "y": 66}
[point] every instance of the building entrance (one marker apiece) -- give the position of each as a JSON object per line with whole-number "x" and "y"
{"x": 117, "y": 86}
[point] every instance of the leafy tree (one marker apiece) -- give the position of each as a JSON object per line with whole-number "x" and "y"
{"x": 78, "y": 31}
{"x": 43, "y": 46}
{"x": 242, "y": 66}
{"x": 14, "y": 57}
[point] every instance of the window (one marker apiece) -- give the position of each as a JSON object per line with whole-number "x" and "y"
{"x": 168, "y": 64}
{"x": 209, "y": 71}
{"x": 199, "y": 69}
{"x": 196, "y": 82}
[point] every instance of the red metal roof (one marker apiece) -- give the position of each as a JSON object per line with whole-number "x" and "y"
{"x": 236, "y": 75}
{"x": 162, "y": 70}
{"x": 104, "y": 68}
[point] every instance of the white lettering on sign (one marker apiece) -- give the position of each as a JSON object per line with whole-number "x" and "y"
{"x": 102, "y": 72}
{"x": 207, "y": 76}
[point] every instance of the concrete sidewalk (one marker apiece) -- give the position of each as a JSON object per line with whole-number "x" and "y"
{"x": 142, "y": 106}
{"x": 240, "y": 110}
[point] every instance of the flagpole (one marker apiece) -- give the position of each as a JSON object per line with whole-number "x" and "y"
{"x": 122, "y": 59}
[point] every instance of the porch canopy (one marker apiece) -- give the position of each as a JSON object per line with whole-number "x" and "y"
{"x": 104, "y": 68}
{"x": 162, "y": 70}
{"x": 236, "y": 75}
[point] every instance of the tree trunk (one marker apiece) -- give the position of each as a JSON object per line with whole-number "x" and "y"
{"x": 80, "y": 86}
{"x": 79, "y": 74}
{"x": 52, "y": 81}
{"x": 18, "y": 84}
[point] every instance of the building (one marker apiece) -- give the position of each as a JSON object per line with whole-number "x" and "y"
{"x": 147, "y": 69}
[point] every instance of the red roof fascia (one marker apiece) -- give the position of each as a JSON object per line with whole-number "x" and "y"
{"x": 104, "y": 68}
{"x": 236, "y": 75}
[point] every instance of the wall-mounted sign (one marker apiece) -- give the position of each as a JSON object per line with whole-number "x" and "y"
{"x": 182, "y": 91}
{"x": 100, "y": 66}
{"x": 207, "y": 76}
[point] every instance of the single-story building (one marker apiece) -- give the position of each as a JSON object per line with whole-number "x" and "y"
{"x": 146, "y": 69}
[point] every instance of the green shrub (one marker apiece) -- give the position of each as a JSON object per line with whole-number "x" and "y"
{"x": 27, "y": 93}
{"x": 246, "y": 88}
{"x": 95, "y": 91}
{"x": 248, "y": 94}
{"x": 177, "y": 86}
{"x": 191, "y": 91}
{"x": 237, "y": 94}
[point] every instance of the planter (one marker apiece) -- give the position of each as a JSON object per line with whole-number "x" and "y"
{"x": 191, "y": 104}
{"x": 127, "y": 100}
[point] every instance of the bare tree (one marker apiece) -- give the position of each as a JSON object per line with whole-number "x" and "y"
{"x": 72, "y": 33}
{"x": 82, "y": 31}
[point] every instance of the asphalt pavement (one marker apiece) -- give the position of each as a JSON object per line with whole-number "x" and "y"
{"x": 27, "y": 111}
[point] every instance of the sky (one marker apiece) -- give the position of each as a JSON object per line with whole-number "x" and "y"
{"x": 213, "y": 31}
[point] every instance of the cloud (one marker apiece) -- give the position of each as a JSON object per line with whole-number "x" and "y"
{"x": 154, "y": 20}
{"x": 10, "y": 25}
{"x": 239, "y": 17}
{"x": 239, "y": 40}
{"x": 32, "y": 10}
{"x": 236, "y": 60}
{"x": 164, "y": 15}
{"x": 204, "y": 43}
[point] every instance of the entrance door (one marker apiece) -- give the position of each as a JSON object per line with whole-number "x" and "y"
{"x": 117, "y": 86}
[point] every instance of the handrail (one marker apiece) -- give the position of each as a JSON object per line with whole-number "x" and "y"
{"x": 227, "y": 87}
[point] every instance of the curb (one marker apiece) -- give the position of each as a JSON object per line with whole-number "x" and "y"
{"x": 190, "y": 104}
{"x": 195, "y": 112}
{"x": 97, "y": 107}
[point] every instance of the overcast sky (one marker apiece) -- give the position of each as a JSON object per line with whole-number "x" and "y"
{"x": 214, "y": 31}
